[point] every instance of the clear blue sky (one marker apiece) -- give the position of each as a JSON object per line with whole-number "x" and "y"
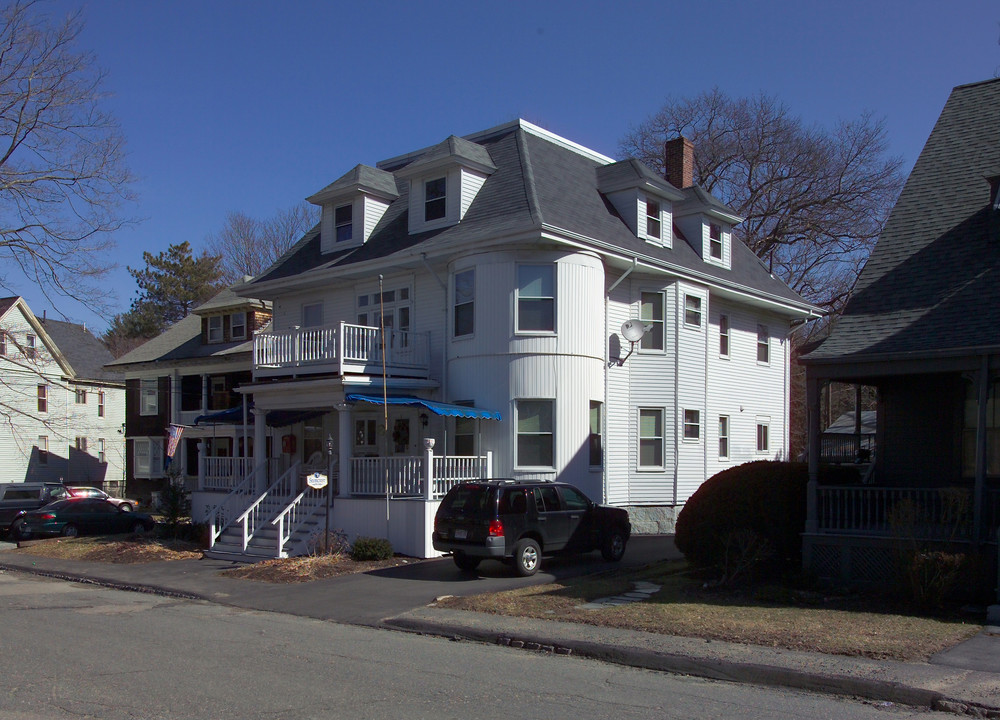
{"x": 251, "y": 106}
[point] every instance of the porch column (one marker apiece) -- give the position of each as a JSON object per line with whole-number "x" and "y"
{"x": 344, "y": 445}
{"x": 979, "y": 488}
{"x": 204, "y": 394}
{"x": 261, "y": 479}
{"x": 813, "y": 451}
{"x": 201, "y": 464}
{"x": 428, "y": 468}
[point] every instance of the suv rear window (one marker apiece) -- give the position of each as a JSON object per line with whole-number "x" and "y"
{"x": 21, "y": 494}
{"x": 471, "y": 501}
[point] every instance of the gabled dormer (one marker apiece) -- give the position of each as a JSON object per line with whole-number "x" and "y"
{"x": 228, "y": 318}
{"x": 704, "y": 220}
{"x": 352, "y": 206}
{"x": 643, "y": 199}
{"x": 707, "y": 223}
{"x": 444, "y": 180}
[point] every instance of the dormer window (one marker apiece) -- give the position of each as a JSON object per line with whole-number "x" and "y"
{"x": 715, "y": 241}
{"x": 238, "y": 326}
{"x": 435, "y": 205}
{"x": 215, "y": 329}
{"x": 653, "y": 222}
{"x": 344, "y": 223}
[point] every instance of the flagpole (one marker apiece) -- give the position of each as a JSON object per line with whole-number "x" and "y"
{"x": 385, "y": 404}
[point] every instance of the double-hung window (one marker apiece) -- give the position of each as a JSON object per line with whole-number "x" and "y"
{"x": 723, "y": 336}
{"x": 215, "y": 329}
{"x": 238, "y": 325}
{"x": 535, "y": 433}
{"x": 596, "y": 439}
{"x": 148, "y": 402}
{"x": 692, "y": 424}
{"x": 763, "y": 345}
{"x": 692, "y": 311}
{"x": 763, "y": 432}
{"x": 100, "y": 404}
{"x": 43, "y": 398}
{"x": 81, "y": 396}
{"x": 654, "y": 226}
{"x": 30, "y": 350}
{"x": 723, "y": 437}
{"x": 465, "y": 303}
{"x": 715, "y": 241}
{"x": 343, "y": 221}
{"x": 3, "y": 342}
{"x": 81, "y": 443}
{"x": 101, "y": 457}
{"x": 147, "y": 455}
{"x": 651, "y": 314}
{"x": 651, "y": 439}
{"x": 536, "y": 298}
{"x": 43, "y": 449}
{"x": 435, "y": 199}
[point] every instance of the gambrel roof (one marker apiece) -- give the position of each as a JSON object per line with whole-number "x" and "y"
{"x": 544, "y": 188}
{"x": 932, "y": 284}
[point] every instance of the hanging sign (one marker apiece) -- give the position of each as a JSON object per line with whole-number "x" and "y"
{"x": 316, "y": 480}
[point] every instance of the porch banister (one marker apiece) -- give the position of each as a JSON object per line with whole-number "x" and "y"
{"x": 812, "y": 448}
{"x": 201, "y": 464}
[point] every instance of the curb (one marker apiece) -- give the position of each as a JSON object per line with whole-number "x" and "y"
{"x": 712, "y": 669}
{"x": 101, "y": 582}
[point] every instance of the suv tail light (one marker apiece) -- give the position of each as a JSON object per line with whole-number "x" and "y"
{"x": 496, "y": 528}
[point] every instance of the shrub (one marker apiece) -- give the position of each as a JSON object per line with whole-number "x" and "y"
{"x": 174, "y": 505}
{"x": 931, "y": 577}
{"x": 366, "y": 548}
{"x": 333, "y": 543}
{"x": 764, "y": 497}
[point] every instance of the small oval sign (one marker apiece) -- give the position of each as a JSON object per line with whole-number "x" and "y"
{"x": 316, "y": 480}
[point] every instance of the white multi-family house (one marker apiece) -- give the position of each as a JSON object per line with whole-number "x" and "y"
{"x": 63, "y": 413}
{"x": 508, "y": 304}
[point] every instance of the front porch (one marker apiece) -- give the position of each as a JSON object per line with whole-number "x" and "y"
{"x": 391, "y": 497}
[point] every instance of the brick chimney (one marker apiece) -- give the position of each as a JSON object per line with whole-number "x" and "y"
{"x": 678, "y": 158}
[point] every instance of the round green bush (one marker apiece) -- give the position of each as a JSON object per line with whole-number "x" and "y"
{"x": 366, "y": 548}
{"x": 765, "y": 497}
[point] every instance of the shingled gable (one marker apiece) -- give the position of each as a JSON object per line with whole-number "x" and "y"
{"x": 932, "y": 284}
{"x": 542, "y": 185}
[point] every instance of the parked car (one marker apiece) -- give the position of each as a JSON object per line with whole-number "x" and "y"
{"x": 518, "y": 522}
{"x": 92, "y": 492}
{"x": 16, "y": 498}
{"x": 80, "y": 516}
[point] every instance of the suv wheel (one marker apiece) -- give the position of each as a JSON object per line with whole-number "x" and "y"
{"x": 614, "y": 546}
{"x": 466, "y": 562}
{"x": 527, "y": 556}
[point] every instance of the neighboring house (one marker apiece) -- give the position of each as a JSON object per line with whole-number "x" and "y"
{"x": 848, "y": 440}
{"x": 62, "y": 411}
{"x": 461, "y": 310}
{"x": 192, "y": 369}
{"x": 922, "y": 328}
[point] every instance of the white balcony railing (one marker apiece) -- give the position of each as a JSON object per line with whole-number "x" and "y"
{"x": 338, "y": 347}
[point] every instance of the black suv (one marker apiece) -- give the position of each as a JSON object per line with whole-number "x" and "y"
{"x": 518, "y": 521}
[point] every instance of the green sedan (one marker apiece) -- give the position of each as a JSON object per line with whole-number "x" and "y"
{"x": 80, "y": 516}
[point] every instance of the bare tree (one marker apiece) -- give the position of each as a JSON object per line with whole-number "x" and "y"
{"x": 249, "y": 245}
{"x": 63, "y": 178}
{"x": 815, "y": 200}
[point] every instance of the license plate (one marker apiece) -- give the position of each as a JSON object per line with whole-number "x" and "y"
{"x": 461, "y": 534}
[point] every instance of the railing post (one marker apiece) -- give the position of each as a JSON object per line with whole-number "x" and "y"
{"x": 201, "y": 464}
{"x": 489, "y": 463}
{"x": 428, "y": 468}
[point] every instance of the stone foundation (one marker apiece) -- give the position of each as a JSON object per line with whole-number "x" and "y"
{"x": 652, "y": 519}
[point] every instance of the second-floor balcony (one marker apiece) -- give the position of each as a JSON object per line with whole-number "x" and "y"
{"x": 341, "y": 349}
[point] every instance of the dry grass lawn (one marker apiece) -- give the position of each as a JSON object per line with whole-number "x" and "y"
{"x": 770, "y": 616}
{"x": 312, "y": 567}
{"x": 112, "y": 549}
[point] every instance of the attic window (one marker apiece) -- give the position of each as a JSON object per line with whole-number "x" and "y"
{"x": 434, "y": 199}
{"x": 715, "y": 240}
{"x": 238, "y": 325}
{"x": 653, "y": 220}
{"x": 343, "y": 220}
{"x": 215, "y": 329}
{"x": 30, "y": 348}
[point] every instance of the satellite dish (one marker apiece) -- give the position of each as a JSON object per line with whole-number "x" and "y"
{"x": 633, "y": 330}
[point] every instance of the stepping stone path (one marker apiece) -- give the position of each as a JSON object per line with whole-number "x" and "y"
{"x": 640, "y": 591}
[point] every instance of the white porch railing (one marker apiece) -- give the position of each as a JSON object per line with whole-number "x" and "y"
{"x": 933, "y": 513}
{"x": 302, "y": 508}
{"x": 404, "y": 476}
{"x": 344, "y": 345}
{"x": 225, "y": 473}
{"x": 263, "y": 507}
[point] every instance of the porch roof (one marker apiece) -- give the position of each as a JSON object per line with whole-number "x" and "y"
{"x": 274, "y": 418}
{"x": 438, "y": 408}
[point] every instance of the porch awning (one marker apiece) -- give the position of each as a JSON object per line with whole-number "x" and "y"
{"x": 274, "y": 418}
{"x": 438, "y": 408}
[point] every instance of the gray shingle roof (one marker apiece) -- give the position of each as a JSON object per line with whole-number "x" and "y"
{"x": 932, "y": 284}
{"x": 85, "y": 353}
{"x": 360, "y": 177}
{"x": 538, "y": 183}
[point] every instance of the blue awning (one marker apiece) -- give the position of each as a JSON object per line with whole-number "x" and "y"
{"x": 438, "y": 408}
{"x": 274, "y": 418}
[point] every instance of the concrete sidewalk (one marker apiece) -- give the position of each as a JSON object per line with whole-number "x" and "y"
{"x": 965, "y": 679}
